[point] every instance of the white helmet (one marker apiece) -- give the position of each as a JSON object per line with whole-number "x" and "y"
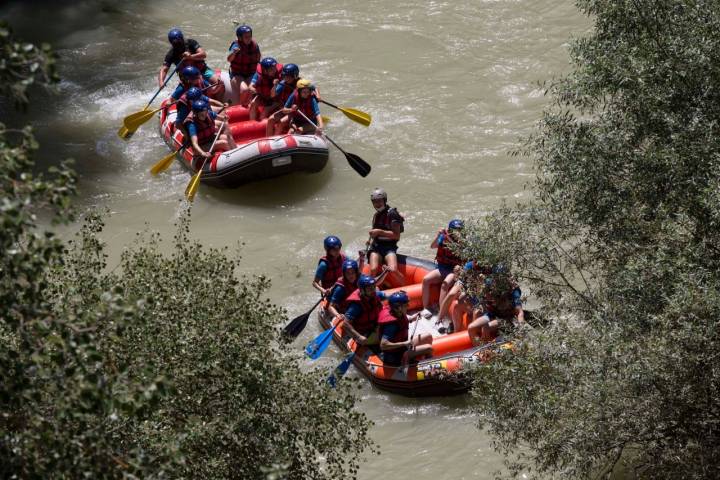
{"x": 378, "y": 194}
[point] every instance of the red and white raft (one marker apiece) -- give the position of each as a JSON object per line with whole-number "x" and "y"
{"x": 257, "y": 156}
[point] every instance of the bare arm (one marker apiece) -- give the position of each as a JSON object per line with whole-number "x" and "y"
{"x": 161, "y": 74}
{"x": 436, "y": 243}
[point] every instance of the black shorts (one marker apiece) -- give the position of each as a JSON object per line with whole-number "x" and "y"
{"x": 383, "y": 250}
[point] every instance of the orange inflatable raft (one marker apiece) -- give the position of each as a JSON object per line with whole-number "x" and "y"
{"x": 256, "y": 157}
{"x": 440, "y": 375}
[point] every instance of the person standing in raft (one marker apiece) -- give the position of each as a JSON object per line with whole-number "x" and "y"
{"x": 447, "y": 260}
{"x": 244, "y": 57}
{"x": 329, "y": 267}
{"x": 192, "y": 55}
{"x": 303, "y": 100}
{"x": 361, "y": 316}
{"x": 387, "y": 225}
{"x": 280, "y": 94}
{"x": 201, "y": 128}
{"x": 266, "y": 78}
{"x": 394, "y": 324}
{"x": 501, "y": 299}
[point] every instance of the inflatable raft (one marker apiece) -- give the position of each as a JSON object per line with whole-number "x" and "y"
{"x": 440, "y": 375}
{"x": 257, "y": 157}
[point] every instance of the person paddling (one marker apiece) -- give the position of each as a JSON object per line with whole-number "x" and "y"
{"x": 329, "y": 267}
{"x": 244, "y": 57}
{"x": 344, "y": 287}
{"x": 446, "y": 260}
{"x": 266, "y": 78}
{"x": 303, "y": 100}
{"x": 280, "y": 94}
{"x": 364, "y": 306}
{"x": 394, "y": 324}
{"x": 201, "y": 128}
{"x": 387, "y": 225}
{"x": 191, "y": 54}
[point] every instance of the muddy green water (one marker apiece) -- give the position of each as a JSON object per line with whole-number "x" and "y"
{"x": 451, "y": 86}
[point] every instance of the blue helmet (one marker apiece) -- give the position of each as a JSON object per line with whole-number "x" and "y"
{"x": 242, "y": 29}
{"x": 398, "y": 298}
{"x": 332, "y": 242}
{"x": 268, "y": 62}
{"x": 366, "y": 281}
{"x": 174, "y": 35}
{"x": 350, "y": 265}
{"x": 199, "y": 105}
{"x": 291, "y": 69}
{"x": 190, "y": 72}
{"x": 193, "y": 93}
{"x": 456, "y": 224}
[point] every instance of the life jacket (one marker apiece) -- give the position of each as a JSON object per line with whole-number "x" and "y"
{"x": 304, "y": 105}
{"x": 445, "y": 255}
{"x": 287, "y": 90}
{"x": 383, "y": 220}
{"x": 246, "y": 60}
{"x": 334, "y": 270}
{"x": 264, "y": 84}
{"x": 500, "y": 303}
{"x": 205, "y": 129}
{"x": 349, "y": 288}
{"x": 371, "y": 307}
{"x": 386, "y": 317}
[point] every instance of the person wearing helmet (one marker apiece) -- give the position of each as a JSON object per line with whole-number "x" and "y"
{"x": 304, "y": 100}
{"x": 387, "y": 225}
{"x": 266, "y": 78}
{"x": 190, "y": 53}
{"x": 244, "y": 57}
{"x": 280, "y": 94}
{"x": 446, "y": 259}
{"x": 501, "y": 298}
{"x": 329, "y": 267}
{"x": 393, "y": 323}
{"x": 184, "y": 104}
{"x": 344, "y": 287}
{"x": 363, "y": 307}
{"x": 201, "y": 128}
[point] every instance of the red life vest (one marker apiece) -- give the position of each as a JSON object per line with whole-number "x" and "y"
{"x": 304, "y": 105}
{"x": 334, "y": 270}
{"x": 287, "y": 90}
{"x": 350, "y": 288}
{"x": 246, "y": 59}
{"x": 386, "y": 317}
{"x": 205, "y": 129}
{"x": 445, "y": 256}
{"x": 367, "y": 321}
{"x": 264, "y": 84}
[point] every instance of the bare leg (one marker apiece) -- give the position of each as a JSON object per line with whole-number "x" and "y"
{"x": 447, "y": 283}
{"x": 391, "y": 262}
{"x": 375, "y": 260}
{"x": 432, "y": 278}
{"x": 235, "y": 89}
{"x": 475, "y": 329}
{"x": 422, "y": 346}
{"x": 254, "y": 108}
{"x": 244, "y": 93}
{"x": 451, "y": 295}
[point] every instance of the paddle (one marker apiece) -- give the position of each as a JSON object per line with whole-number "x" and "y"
{"x": 125, "y": 132}
{"x": 318, "y": 346}
{"x": 357, "y": 163}
{"x": 133, "y": 121}
{"x": 298, "y": 323}
{"x": 340, "y": 370}
{"x": 192, "y": 187}
{"x": 355, "y": 115}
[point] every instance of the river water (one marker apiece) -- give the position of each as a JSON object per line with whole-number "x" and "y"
{"x": 451, "y": 86}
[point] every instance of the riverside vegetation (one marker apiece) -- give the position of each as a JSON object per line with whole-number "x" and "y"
{"x": 620, "y": 247}
{"x": 135, "y": 371}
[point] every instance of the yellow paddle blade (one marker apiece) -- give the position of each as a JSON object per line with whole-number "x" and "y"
{"x": 164, "y": 163}
{"x": 325, "y": 119}
{"x": 192, "y": 187}
{"x": 124, "y": 133}
{"x": 132, "y": 122}
{"x": 357, "y": 116}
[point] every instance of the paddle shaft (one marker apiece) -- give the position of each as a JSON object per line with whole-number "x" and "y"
{"x": 325, "y": 134}
{"x": 167, "y": 79}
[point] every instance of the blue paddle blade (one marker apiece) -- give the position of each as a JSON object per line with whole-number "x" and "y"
{"x": 320, "y": 344}
{"x": 340, "y": 370}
